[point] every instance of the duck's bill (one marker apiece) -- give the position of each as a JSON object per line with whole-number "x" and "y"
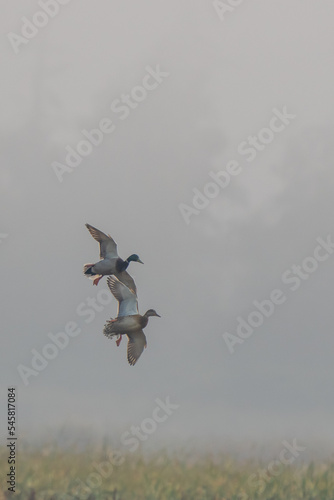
{"x": 158, "y": 315}
{"x": 140, "y": 261}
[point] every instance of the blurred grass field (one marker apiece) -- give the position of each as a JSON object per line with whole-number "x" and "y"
{"x": 52, "y": 473}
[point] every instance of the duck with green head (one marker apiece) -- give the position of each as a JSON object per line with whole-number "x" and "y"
{"x": 110, "y": 262}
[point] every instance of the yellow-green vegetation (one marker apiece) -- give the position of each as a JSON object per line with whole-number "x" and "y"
{"x": 51, "y": 473}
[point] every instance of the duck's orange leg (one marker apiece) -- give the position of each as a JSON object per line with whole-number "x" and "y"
{"x": 118, "y": 341}
{"x": 96, "y": 280}
{"x": 112, "y": 320}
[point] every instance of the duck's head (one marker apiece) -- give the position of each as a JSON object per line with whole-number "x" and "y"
{"x": 152, "y": 312}
{"x": 135, "y": 258}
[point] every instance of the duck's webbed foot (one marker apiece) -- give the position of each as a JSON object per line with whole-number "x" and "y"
{"x": 118, "y": 341}
{"x": 96, "y": 280}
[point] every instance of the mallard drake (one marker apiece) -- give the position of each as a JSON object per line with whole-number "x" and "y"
{"x": 128, "y": 321}
{"x": 111, "y": 263}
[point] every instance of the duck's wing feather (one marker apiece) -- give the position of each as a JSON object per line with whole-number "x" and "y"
{"x": 108, "y": 247}
{"x": 136, "y": 344}
{"x": 127, "y": 280}
{"x": 127, "y": 299}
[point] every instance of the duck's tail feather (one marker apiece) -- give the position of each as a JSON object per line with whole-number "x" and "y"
{"x": 108, "y": 330}
{"x": 88, "y": 270}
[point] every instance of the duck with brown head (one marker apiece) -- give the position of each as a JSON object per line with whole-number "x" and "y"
{"x": 128, "y": 321}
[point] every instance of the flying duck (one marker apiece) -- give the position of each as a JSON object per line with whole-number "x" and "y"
{"x": 128, "y": 321}
{"x": 110, "y": 262}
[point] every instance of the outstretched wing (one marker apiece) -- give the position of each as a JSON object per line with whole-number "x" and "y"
{"x": 136, "y": 344}
{"x": 108, "y": 247}
{"x": 127, "y": 280}
{"x": 127, "y": 299}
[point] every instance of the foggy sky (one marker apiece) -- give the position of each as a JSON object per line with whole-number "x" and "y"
{"x": 225, "y": 79}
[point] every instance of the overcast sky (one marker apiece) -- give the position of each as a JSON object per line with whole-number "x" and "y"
{"x": 220, "y": 79}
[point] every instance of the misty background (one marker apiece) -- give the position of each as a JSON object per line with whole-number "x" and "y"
{"x": 225, "y": 78}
